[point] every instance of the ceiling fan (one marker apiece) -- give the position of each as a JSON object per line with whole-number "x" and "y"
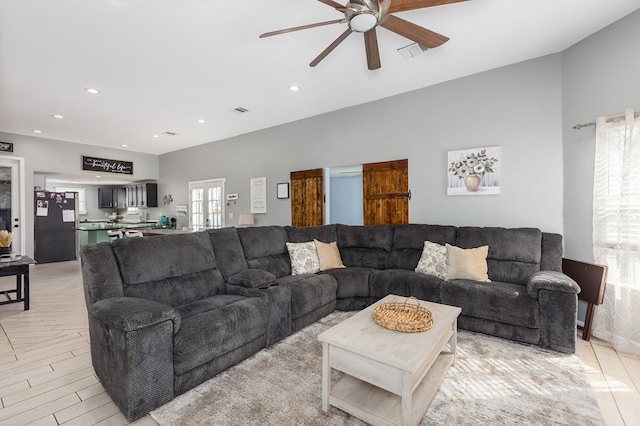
{"x": 363, "y": 16}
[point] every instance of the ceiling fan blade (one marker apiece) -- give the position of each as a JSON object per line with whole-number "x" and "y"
{"x": 301, "y": 27}
{"x": 371, "y": 47}
{"x": 414, "y": 32}
{"x": 330, "y": 48}
{"x": 335, "y": 5}
{"x": 402, "y": 5}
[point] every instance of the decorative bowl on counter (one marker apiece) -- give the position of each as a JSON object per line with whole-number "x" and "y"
{"x": 115, "y": 217}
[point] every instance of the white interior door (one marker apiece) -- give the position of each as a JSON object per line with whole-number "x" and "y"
{"x": 12, "y": 203}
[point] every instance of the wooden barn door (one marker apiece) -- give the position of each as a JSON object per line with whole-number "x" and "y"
{"x": 307, "y": 198}
{"x": 386, "y": 195}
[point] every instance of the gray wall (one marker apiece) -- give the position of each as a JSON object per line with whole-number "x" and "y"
{"x": 517, "y": 107}
{"x": 43, "y": 155}
{"x": 599, "y": 77}
{"x": 528, "y": 109}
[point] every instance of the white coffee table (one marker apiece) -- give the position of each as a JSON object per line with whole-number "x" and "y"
{"x": 390, "y": 377}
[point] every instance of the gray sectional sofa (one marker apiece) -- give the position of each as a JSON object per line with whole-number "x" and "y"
{"x": 167, "y": 313}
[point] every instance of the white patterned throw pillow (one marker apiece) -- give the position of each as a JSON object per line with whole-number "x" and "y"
{"x": 433, "y": 260}
{"x": 304, "y": 258}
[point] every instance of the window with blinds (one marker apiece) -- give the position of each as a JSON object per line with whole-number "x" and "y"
{"x": 616, "y": 196}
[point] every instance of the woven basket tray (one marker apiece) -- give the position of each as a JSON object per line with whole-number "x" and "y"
{"x": 403, "y": 316}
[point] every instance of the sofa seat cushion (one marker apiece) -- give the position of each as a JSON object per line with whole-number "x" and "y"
{"x": 309, "y": 292}
{"x": 352, "y": 282}
{"x": 496, "y": 301}
{"x": 405, "y": 283}
{"x": 217, "y": 325}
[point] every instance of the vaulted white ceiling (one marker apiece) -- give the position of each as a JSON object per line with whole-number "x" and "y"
{"x": 161, "y": 65}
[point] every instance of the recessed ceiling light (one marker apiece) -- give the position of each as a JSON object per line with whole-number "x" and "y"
{"x": 294, "y": 88}
{"x": 155, "y": 136}
{"x": 61, "y": 117}
{"x": 36, "y": 131}
{"x": 124, "y": 145}
{"x": 98, "y": 176}
{"x": 92, "y": 91}
{"x": 201, "y": 121}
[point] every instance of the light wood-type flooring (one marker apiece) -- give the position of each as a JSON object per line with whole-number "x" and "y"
{"x": 46, "y": 377}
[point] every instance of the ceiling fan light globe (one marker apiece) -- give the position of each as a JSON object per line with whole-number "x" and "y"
{"x": 363, "y": 22}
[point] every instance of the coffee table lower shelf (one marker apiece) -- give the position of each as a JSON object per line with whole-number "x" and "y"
{"x": 381, "y": 407}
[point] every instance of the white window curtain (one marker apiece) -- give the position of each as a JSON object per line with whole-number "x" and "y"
{"x": 616, "y": 228}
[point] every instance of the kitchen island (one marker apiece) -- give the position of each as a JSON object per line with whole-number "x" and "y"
{"x": 90, "y": 232}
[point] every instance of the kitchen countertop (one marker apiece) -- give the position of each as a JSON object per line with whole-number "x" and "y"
{"x": 113, "y": 225}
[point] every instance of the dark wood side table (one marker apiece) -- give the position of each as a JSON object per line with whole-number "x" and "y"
{"x": 591, "y": 278}
{"x": 19, "y": 268}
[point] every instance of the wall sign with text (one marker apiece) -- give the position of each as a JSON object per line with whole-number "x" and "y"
{"x": 106, "y": 165}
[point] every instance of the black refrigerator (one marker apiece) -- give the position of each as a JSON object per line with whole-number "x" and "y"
{"x": 56, "y": 217}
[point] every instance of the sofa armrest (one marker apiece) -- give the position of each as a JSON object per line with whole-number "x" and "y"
{"x": 252, "y": 278}
{"x": 132, "y": 352}
{"x": 551, "y": 280}
{"x": 132, "y": 313}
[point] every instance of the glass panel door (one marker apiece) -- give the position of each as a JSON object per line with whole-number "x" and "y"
{"x": 215, "y": 205}
{"x": 11, "y": 208}
{"x": 197, "y": 209}
{"x": 206, "y": 199}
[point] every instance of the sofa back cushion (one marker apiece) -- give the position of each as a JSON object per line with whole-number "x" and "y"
{"x": 228, "y": 251}
{"x": 408, "y": 242}
{"x": 551, "y": 259}
{"x": 303, "y": 234}
{"x": 365, "y": 246}
{"x": 265, "y": 248}
{"x": 514, "y": 253}
{"x": 171, "y": 269}
{"x": 100, "y": 273}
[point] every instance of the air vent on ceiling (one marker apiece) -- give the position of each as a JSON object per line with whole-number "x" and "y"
{"x": 240, "y": 110}
{"x": 170, "y": 133}
{"x": 412, "y": 50}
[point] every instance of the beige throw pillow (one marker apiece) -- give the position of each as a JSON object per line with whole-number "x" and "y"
{"x": 467, "y": 264}
{"x": 304, "y": 258}
{"x": 433, "y": 260}
{"x": 328, "y": 255}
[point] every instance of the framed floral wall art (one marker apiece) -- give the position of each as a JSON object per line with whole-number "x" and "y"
{"x": 474, "y": 171}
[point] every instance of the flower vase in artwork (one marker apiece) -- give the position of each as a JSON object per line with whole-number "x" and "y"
{"x": 471, "y": 167}
{"x": 472, "y": 182}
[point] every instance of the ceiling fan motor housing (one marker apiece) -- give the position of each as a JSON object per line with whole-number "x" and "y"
{"x": 364, "y": 15}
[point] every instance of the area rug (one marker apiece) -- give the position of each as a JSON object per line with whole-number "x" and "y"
{"x": 494, "y": 382}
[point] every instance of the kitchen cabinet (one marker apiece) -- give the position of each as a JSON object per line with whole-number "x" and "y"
{"x": 132, "y": 196}
{"x": 149, "y": 195}
{"x": 112, "y": 198}
{"x": 120, "y": 198}
{"x": 142, "y": 195}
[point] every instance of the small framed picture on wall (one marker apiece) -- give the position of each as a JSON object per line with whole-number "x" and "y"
{"x": 282, "y": 191}
{"x": 6, "y": 147}
{"x": 474, "y": 171}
